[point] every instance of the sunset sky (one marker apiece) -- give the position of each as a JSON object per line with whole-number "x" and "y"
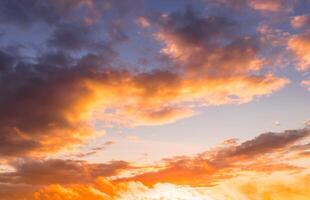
{"x": 154, "y": 99}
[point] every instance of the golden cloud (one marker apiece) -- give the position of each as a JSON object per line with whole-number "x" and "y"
{"x": 247, "y": 187}
{"x": 300, "y": 46}
{"x": 50, "y": 104}
{"x": 268, "y": 153}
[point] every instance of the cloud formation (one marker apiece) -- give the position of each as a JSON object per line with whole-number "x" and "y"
{"x": 67, "y": 66}
{"x": 57, "y": 171}
{"x": 265, "y": 153}
{"x": 300, "y": 21}
{"x": 51, "y": 99}
{"x": 300, "y": 46}
{"x": 268, "y": 153}
{"x": 260, "y": 5}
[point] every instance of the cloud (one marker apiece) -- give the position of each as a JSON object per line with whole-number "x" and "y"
{"x": 213, "y": 170}
{"x": 306, "y": 83}
{"x": 28, "y": 12}
{"x": 261, "y": 5}
{"x": 143, "y": 22}
{"x": 73, "y": 37}
{"x": 164, "y": 115}
{"x": 16, "y": 192}
{"x": 51, "y": 100}
{"x": 269, "y": 142}
{"x": 300, "y": 46}
{"x": 211, "y": 50}
{"x": 307, "y": 123}
{"x": 210, "y": 46}
{"x": 53, "y": 12}
{"x": 265, "y": 153}
{"x": 271, "y": 5}
{"x": 57, "y": 171}
{"x": 84, "y": 153}
{"x": 246, "y": 187}
{"x": 104, "y": 190}
{"x": 37, "y": 104}
{"x": 6, "y": 61}
{"x": 301, "y": 21}
{"x": 257, "y": 186}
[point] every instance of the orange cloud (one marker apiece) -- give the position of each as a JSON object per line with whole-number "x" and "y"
{"x": 261, "y": 5}
{"x": 151, "y": 98}
{"x": 300, "y": 46}
{"x": 268, "y": 5}
{"x": 105, "y": 190}
{"x": 246, "y": 187}
{"x": 50, "y": 104}
{"x": 300, "y": 21}
{"x": 259, "y": 186}
{"x": 267, "y": 154}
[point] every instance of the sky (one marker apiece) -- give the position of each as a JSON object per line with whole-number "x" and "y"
{"x": 154, "y": 99}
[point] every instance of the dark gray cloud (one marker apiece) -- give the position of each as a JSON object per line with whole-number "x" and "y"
{"x": 209, "y": 45}
{"x": 42, "y": 101}
{"x": 269, "y": 142}
{"x": 193, "y": 29}
{"x": 72, "y": 37}
{"x": 6, "y": 61}
{"x": 45, "y": 172}
{"x": 35, "y": 98}
{"x": 27, "y": 12}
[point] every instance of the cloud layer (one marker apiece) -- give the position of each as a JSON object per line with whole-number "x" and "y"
{"x": 67, "y": 66}
{"x": 51, "y": 99}
{"x": 268, "y": 153}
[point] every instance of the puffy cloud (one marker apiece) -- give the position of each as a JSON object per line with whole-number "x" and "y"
{"x": 103, "y": 190}
{"x": 209, "y": 46}
{"x": 46, "y": 108}
{"x": 211, "y": 50}
{"x": 300, "y": 21}
{"x": 246, "y": 187}
{"x": 300, "y": 46}
{"x": 50, "y": 101}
